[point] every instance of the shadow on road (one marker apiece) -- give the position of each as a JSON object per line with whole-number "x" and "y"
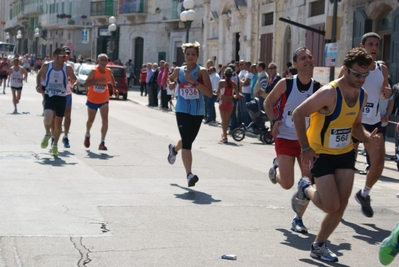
{"x": 65, "y": 154}
{"x": 228, "y": 144}
{"x": 55, "y": 162}
{"x": 372, "y": 236}
{"x": 313, "y": 262}
{"x": 196, "y": 197}
{"x": 102, "y": 156}
{"x": 389, "y": 179}
{"x": 303, "y": 242}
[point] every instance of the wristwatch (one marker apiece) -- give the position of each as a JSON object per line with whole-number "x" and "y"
{"x": 196, "y": 83}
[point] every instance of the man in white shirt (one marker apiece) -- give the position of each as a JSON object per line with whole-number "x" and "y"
{"x": 215, "y": 78}
{"x": 246, "y": 91}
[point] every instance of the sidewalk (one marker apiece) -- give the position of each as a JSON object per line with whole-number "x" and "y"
{"x": 134, "y": 96}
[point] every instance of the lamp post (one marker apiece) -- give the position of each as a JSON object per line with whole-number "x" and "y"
{"x": 36, "y": 35}
{"x": 7, "y": 37}
{"x": 19, "y": 36}
{"x": 112, "y": 28}
{"x": 188, "y": 15}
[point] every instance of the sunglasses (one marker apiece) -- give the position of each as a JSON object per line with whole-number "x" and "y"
{"x": 359, "y": 74}
{"x": 272, "y": 68}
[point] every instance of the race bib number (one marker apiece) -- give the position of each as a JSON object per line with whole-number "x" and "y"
{"x": 188, "y": 91}
{"x": 340, "y": 138}
{"x": 289, "y": 120}
{"x": 54, "y": 92}
{"x": 16, "y": 79}
{"x": 54, "y": 88}
{"x": 100, "y": 88}
{"x": 368, "y": 110}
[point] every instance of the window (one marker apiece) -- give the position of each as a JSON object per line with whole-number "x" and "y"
{"x": 317, "y": 8}
{"x": 268, "y": 19}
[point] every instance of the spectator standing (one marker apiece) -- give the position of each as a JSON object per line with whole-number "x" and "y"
{"x": 273, "y": 77}
{"x": 129, "y": 73}
{"x": 154, "y": 84}
{"x": 246, "y": 91}
{"x": 226, "y": 91}
{"x": 287, "y": 69}
{"x": 214, "y": 77}
{"x": 162, "y": 92}
{"x": 148, "y": 81}
{"x": 236, "y": 117}
{"x": 143, "y": 78}
{"x": 165, "y": 98}
{"x": 261, "y": 83}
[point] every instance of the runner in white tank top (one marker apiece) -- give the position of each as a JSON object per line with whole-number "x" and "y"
{"x": 68, "y": 108}
{"x": 376, "y": 85}
{"x": 16, "y": 74}
{"x": 54, "y": 74}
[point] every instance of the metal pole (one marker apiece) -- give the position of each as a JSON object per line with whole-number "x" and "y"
{"x": 188, "y": 25}
{"x": 334, "y": 34}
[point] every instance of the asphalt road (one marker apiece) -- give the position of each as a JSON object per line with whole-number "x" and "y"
{"x": 128, "y": 207}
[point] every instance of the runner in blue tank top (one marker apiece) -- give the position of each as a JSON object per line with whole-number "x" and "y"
{"x": 193, "y": 83}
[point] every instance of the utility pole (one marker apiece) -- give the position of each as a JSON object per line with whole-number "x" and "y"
{"x": 334, "y": 32}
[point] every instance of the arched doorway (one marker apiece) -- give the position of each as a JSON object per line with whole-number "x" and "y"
{"x": 361, "y": 25}
{"x": 384, "y": 27}
{"x": 138, "y": 58}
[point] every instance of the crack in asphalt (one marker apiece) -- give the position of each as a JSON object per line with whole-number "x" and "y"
{"x": 83, "y": 251}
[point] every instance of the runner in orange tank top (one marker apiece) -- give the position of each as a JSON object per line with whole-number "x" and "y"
{"x": 98, "y": 97}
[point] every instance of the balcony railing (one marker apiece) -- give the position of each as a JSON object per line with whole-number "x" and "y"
{"x": 102, "y": 8}
{"x": 133, "y": 6}
{"x": 12, "y": 23}
{"x": 49, "y": 20}
{"x": 33, "y": 9}
{"x": 74, "y": 21}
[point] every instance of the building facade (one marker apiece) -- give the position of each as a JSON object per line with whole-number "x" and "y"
{"x": 253, "y": 30}
{"x": 57, "y": 22}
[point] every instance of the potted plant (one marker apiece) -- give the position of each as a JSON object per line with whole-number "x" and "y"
{"x": 3, "y": 22}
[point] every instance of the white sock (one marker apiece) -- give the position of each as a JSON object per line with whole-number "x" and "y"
{"x": 365, "y": 191}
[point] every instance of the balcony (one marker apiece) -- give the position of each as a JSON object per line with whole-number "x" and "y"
{"x": 49, "y": 21}
{"x": 13, "y": 23}
{"x": 133, "y": 10}
{"x": 33, "y": 9}
{"x": 102, "y": 8}
{"x": 76, "y": 21}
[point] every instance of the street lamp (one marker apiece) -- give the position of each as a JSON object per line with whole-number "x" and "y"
{"x": 36, "y": 35}
{"x": 188, "y": 15}
{"x": 112, "y": 28}
{"x": 19, "y": 36}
